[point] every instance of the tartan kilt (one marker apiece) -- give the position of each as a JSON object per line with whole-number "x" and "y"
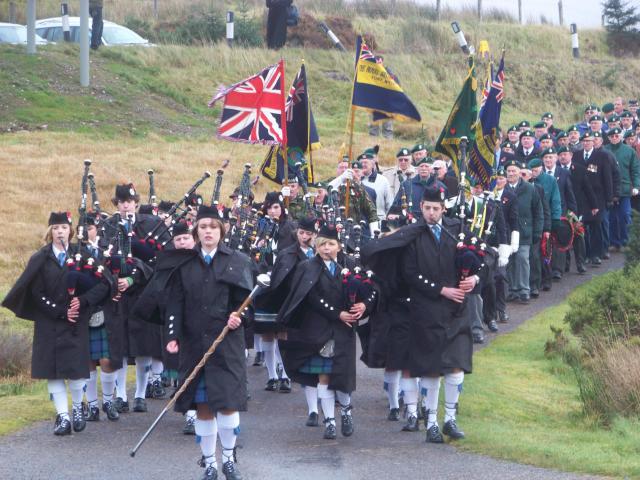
{"x": 317, "y": 365}
{"x": 98, "y": 343}
{"x": 201, "y": 391}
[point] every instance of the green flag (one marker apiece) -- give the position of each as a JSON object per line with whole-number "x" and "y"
{"x": 461, "y": 120}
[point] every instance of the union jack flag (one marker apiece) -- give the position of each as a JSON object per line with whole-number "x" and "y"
{"x": 367, "y": 54}
{"x": 253, "y": 110}
{"x": 498, "y": 82}
{"x": 296, "y": 93}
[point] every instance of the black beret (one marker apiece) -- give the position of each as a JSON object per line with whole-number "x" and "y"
{"x": 328, "y": 231}
{"x": 206, "y": 211}
{"x": 527, "y": 133}
{"x": 60, "y": 218}
{"x": 431, "y": 194}
{"x": 181, "y": 228}
{"x": 308, "y": 223}
{"x": 126, "y": 192}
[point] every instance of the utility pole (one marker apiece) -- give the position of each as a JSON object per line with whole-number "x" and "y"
{"x": 31, "y": 27}
{"x": 438, "y": 2}
{"x": 480, "y": 10}
{"x": 84, "y": 43}
{"x": 155, "y": 8}
{"x": 520, "y": 12}
{"x": 560, "y": 13}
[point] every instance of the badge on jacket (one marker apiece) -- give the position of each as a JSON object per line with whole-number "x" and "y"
{"x": 592, "y": 167}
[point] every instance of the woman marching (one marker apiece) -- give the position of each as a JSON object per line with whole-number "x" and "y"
{"x": 61, "y": 331}
{"x": 207, "y": 285}
{"x": 320, "y": 324}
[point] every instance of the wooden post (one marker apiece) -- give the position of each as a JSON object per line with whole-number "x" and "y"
{"x": 480, "y": 10}
{"x": 438, "y": 5}
{"x": 12, "y": 12}
{"x": 560, "y": 13}
{"x": 520, "y": 12}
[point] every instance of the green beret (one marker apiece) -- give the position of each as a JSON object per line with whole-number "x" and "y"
{"x": 548, "y": 151}
{"x": 613, "y": 118}
{"x": 365, "y": 156}
{"x": 545, "y": 136}
{"x": 607, "y": 107}
{"x": 524, "y": 123}
{"x": 373, "y": 151}
{"x": 614, "y": 131}
{"x": 573, "y": 128}
{"x": 403, "y": 152}
{"x": 597, "y": 134}
{"x": 563, "y": 150}
{"x": 513, "y": 163}
{"x": 527, "y": 133}
{"x": 595, "y": 118}
{"x": 562, "y": 134}
{"x": 547, "y": 115}
{"x": 534, "y": 163}
{"x": 626, "y": 114}
{"x": 633, "y": 103}
{"x": 501, "y": 172}
{"x": 629, "y": 133}
{"x": 323, "y": 185}
{"x": 356, "y": 164}
{"x": 591, "y": 106}
{"x": 424, "y": 160}
{"x": 507, "y": 144}
{"x": 513, "y": 128}
{"x": 539, "y": 125}
{"x": 417, "y": 147}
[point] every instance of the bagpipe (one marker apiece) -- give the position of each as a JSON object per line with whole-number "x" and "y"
{"x": 243, "y": 220}
{"x": 357, "y": 283}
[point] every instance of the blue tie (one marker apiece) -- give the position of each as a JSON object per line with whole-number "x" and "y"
{"x": 310, "y": 253}
{"x": 207, "y": 259}
{"x": 435, "y": 229}
{"x": 332, "y": 268}
{"x": 61, "y": 257}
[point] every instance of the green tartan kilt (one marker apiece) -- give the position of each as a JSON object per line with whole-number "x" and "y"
{"x": 317, "y": 365}
{"x": 98, "y": 343}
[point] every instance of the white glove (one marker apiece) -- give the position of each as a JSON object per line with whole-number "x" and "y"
{"x": 373, "y": 226}
{"x": 504, "y": 251}
{"x": 286, "y": 191}
{"x": 634, "y": 192}
{"x": 347, "y": 175}
{"x": 515, "y": 241}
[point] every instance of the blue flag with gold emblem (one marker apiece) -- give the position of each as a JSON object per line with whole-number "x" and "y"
{"x": 482, "y": 156}
{"x": 375, "y": 89}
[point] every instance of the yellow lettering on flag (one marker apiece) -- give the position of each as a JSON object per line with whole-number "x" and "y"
{"x": 375, "y": 74}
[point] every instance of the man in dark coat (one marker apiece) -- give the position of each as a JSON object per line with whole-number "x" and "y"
{"x": 415, "y": 186}
{"x": 422, "y": 257}
{"x": 600, "y": 178}
{"x": 277, "y": 23}
{"x": 526, "y": 150}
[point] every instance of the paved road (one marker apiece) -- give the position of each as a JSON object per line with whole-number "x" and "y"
{"x": 275, "y": 442}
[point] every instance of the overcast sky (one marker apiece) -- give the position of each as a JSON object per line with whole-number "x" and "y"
{"x": 586, "y": 13}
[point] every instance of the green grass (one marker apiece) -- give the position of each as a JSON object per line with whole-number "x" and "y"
{"x": 522, "y": 407}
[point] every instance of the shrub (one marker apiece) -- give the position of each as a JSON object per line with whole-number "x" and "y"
{"x": 632, "y": 254}
{"x": 15, "y": 353}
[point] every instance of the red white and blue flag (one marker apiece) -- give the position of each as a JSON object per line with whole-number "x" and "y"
{"x": 254, "y": 109}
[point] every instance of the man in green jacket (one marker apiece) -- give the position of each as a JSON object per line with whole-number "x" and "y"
{"x": 629, "y": 167}
{"x": 530, "y": 221}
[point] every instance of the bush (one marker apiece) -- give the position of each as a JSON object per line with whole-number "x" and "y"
{"x": 15, "y": 353}
{"x": 632, "y": 254}
{"x": 608, "y": 306}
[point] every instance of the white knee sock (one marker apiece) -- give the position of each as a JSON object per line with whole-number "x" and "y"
{"x": 92, "y": 389}
{"x": 58, "y": 394}
{"x": 143, "y": 366}
{"x": 206, "y": 433}
{"x": 257, "y": 342}
{"x": 392, "y": 387}
{"x": 121, "y": 381}
{"x": 410, "y": 388}
{"x": 311, "y": 394}
{"x": 228, "y": 429}
{"x": 270, "y": 358}
{"x": 328, "y": 401}
{"x": 452, "y": 388}
{"x": 344, "y": 399}
{"x": 108, "y": 380}
{"x": 279, "y": 361}
{"x": 156, "y": 369}
{"x": 431, "y": 387}
{"x": 77, "y": 389}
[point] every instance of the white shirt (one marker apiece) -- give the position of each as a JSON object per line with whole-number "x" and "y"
{"x": 57, "y": 252}
{"x": 211, "y": 253}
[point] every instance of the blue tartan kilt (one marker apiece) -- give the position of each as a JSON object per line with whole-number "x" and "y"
{"x": 98, "y": 343}
{"x": 317, "y": 365}
{"x": 201, "y": 391}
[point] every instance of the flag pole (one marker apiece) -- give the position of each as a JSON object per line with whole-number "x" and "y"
{"x": 285, "y": 152}
{"x": 309, "y": 146}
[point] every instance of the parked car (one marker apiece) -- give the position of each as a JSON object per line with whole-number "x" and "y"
{"x": 17, "y": 34}
{"x": 112, "y": 33}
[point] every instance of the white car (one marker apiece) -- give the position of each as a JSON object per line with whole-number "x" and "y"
{"x": 17, "y": 34}
{"x": 112, "y": 33}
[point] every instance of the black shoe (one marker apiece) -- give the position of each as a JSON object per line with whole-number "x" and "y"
{"x": 189, "y": 426}
{"x": 166, "y": 382}
{"x": 512, "y": 297}
{"x": 230, "y": 471}
{"x": 259, "y": 359}
{"x": 79, "y": 422}
{"x": 330, "y": 429}
{"x": 411, "y": 425}
{"x": 62, "y": 426}
{"x": 272, "y": 385}
{"x": 312, "y": 421}
{"x": 394, "y": 415}
{"x": 478, "y": 337}
{"x": 158, "y": 390}
{"x": 596, "y": 262}
{"x": 346, "y": 428}
{"x": 110, "y": 409}
{"x": 606, "y": 256}
{"x": 557, "y": 275}
{"x": 451, "y": 430}
{"x": 581, "y": 269}
{"x": 493, "y": 326}
{"x": 524, "y": 299}
{"x": 434, "y": 435}
{"x": 94, "y": 414}
{"x": 139, "y": 405}
{"x": 546, "y": 287}
{"x": 535, "y": 293}
{"x": 210, "y": 473}
{"x": 148, "y": 392}
{"x": 285, "y": 385}
{"x": 503, "y": 317}
{"x": 121, "y": 405}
